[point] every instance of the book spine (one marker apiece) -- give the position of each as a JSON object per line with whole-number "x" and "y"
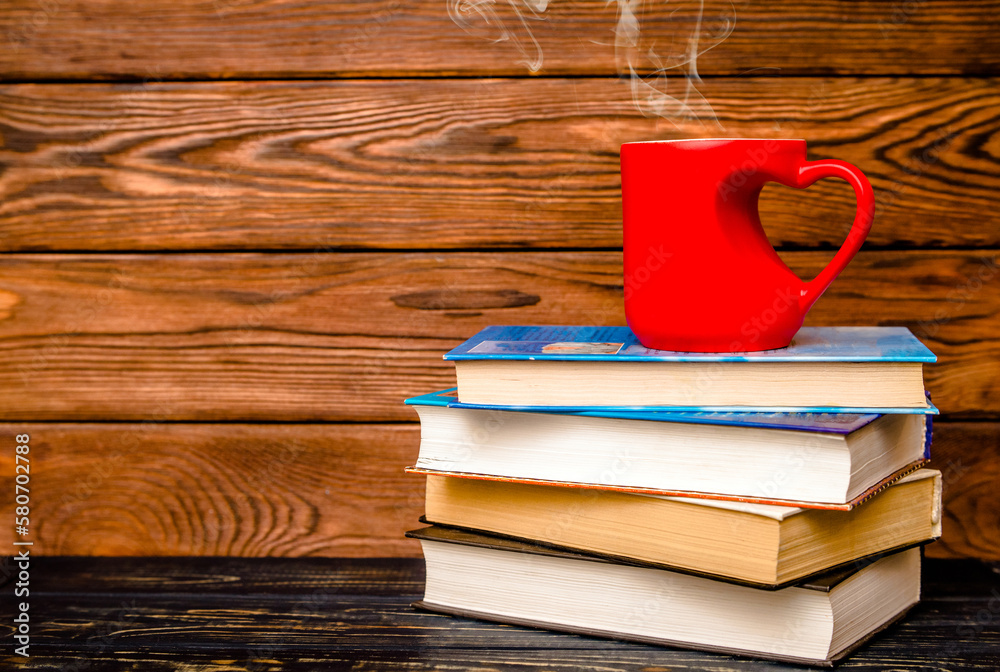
{"x": 928, "y": 435}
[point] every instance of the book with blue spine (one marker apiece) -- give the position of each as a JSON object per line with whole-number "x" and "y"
{"x": 810, "y": 460}
{"x": 825, "y": 369}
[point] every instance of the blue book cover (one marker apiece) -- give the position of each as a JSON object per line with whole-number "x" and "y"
{"x": 892, "y": 348}
{"x": 826, "y": 422}
{"x": 583, "y": 343}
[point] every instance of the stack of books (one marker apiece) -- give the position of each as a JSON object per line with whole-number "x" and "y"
{"x": 770, "y": 504}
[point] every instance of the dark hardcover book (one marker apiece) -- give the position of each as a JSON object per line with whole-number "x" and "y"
{"x": 816, "y": 623}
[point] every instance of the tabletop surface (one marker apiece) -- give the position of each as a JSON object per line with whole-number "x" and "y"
{"x": 213, "y": 614}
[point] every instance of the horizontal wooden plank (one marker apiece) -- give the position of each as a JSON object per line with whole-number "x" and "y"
{"x": 319, "y": 490}
{"x": 244, "y": 490}
{"x": 463, "y": 163}
{"x": 318, "y": 337}
{"x": 292, "y": 579}
{"x": 313, "y": 38}
{"x": 216, "y": 576}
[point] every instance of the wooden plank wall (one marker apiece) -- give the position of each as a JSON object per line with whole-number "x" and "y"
{"x": 236, "y": 234}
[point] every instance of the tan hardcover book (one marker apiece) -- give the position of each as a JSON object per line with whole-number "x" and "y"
{"x": 764, "y": 545}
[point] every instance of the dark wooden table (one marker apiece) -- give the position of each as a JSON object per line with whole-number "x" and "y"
{"x": 216, "y": 614}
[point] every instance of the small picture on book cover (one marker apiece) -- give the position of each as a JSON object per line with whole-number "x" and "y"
{"x": 545, "y": 348}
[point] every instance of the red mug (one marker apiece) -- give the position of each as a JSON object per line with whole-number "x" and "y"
{"x": 700, "y": 274}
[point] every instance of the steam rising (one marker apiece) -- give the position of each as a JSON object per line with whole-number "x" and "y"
{"x": 511, "y": 22}
{"x": 635, "y": 52}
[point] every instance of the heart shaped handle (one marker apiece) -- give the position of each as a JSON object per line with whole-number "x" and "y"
{"x": 810, "y": 173}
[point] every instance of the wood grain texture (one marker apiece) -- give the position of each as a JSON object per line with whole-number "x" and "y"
{"x": 304, "y": 614}
{"x": 212, "y": 490}
{"x": 464, "y": 163}
{"x": 968, "y": 455}
{"x": 320, "y": 490}
{"x": 83, "y": 39}
{"x": 352, "y": 156}
{"x": 347, "y": 336}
